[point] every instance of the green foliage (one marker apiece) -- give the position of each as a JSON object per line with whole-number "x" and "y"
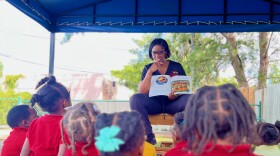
{"x": 204, "y": 59}
{"x": 221, "y": 81}
{"x": 274, "y": 75}
{"x": 130, "y": 75}
{"x": 203, "y": 62}
{"x": 9, "y": 98}
{"x": 11, "y": 81}
{"x": 67, "y": 37}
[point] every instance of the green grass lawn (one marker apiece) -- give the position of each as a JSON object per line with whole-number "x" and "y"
{"x": 268, "y": 150}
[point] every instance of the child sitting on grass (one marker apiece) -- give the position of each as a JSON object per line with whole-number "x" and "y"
{"x": 19, "y": 118}
{"x": 219, "y": 122}
{"x": 120, "y": 134}
{"x": 77, "y": 128}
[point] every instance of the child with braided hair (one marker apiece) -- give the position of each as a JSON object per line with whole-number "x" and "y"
{"x": 120, "y": 134}
{"x": 176, "y": 131}
{"x": 77, "y": 128}
{"x": 43, "y": 137}
{"x": 219, "y": 122}
{"x": 269, "y": 133}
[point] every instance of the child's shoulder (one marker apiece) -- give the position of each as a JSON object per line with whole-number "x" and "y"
{"x": 149, "y": 150}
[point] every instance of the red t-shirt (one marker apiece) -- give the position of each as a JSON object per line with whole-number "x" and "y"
{"x": 219, "y": 150}
{"x": 44, "y": 136}
{"x": 13, "y": 144}
{"x": 91, "y": 149}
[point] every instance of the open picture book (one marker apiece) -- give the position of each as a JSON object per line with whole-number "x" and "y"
{"x": 164, "y": 85}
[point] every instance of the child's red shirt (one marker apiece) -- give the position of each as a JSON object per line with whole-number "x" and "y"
{"x": 91, "y": 149}
{"x": 219, "y": 150}
{"x": 44, "y": 135}
{"x": 13, "y": 144}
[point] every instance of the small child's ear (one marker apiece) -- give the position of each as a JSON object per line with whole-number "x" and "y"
{"x": 66, "y": 103}
{"x": 24, "y": 123}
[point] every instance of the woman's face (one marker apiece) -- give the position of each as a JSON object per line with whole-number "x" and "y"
{"x": 159, "y": 53}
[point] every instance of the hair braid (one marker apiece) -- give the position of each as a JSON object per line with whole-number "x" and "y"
{"x": 218, "y": 113}
{"x": 89, "y": 120}
{"x": 79, "y": 124}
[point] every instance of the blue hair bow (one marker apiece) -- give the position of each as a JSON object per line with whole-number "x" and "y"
{"x": 107, "y": 140}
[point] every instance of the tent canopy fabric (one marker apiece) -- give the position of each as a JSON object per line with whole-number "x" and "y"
{"x": 153, "y": 15}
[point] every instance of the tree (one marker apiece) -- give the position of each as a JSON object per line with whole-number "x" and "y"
{"x": 274, "y": 76}
{"x": 10, "y": 82}
{"x": 204, "y": 56}
{"x": 9, "y": 97}
{"x": 264, "y": 47}
{"x": 236, "y": 62}
{"x": 191, "y": 60}
{"x": 130, "y": 76}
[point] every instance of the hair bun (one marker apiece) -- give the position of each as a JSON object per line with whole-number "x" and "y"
{"x": 42, "y": 81}
{"x": 35, "y": 98}
{"x": 277, "y": 124}
{"x": 51, "y": 80}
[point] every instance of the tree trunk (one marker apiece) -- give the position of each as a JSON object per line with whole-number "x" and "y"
{"x": 235, "y": 60}
{"x": 263, "y": 46}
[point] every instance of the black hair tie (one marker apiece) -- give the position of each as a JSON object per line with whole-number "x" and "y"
{"x": 35, "y": 98}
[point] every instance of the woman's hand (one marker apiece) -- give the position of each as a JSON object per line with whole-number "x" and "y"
{"x": 172, "y": 96}
{"x": 156, "y": 65}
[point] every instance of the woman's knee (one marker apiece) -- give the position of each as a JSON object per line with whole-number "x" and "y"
{"x": 136, "y": 99}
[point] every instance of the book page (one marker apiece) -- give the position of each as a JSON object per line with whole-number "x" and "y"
{"x": 160, "y": 85}
{"x": 181, "y": 84}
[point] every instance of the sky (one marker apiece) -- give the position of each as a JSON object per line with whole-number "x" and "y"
{"x": 24, "y": 49}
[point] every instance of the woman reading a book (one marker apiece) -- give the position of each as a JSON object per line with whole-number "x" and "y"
{"x": 159, "y": 52}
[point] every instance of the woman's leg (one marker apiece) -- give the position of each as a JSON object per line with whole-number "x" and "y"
{"x": 177, "y": 105}
{"x": 146, "y": 105}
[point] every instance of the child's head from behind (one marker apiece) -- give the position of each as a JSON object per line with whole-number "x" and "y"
{"x": 51, "y": 95}
{"x": 78, "y": 122}
{"x": 269, "y": 133}
{"x": 21, "y": 116}
{"x": 218, "y": 114}
{"x": 119, "y": 134}
{"x": 178, "y": 126}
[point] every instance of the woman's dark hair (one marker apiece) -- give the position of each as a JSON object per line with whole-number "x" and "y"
{"x": 269, "y": 133}
{"x": 49, "y": 93}
{"x": 78, "y": 122}
{"x": 214, "y": 113}
{"x": 132, "y": 130}
{"x": 17, "y": 114}
{"x": 161, "y": 42}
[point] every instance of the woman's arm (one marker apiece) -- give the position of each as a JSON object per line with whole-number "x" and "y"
{"x": 25, "y": 151}
{"x": 145, "y": 84}
{"x": 62, "y": 149}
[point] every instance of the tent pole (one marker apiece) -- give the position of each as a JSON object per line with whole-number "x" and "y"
{"x": 52, "y": 46}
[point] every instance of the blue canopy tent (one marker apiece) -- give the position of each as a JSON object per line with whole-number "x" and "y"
{"x": 151, "y": 16}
